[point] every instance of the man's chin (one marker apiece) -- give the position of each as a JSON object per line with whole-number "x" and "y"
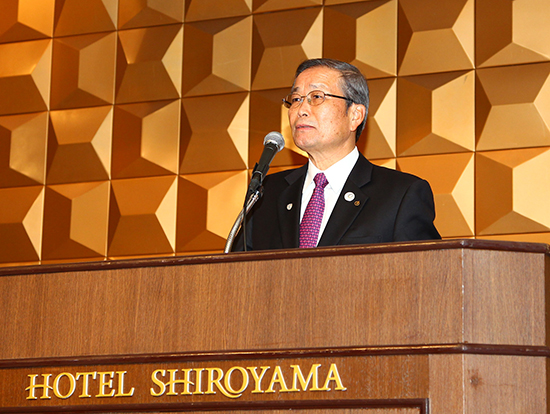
{"x": 303, "y": 142}
{"x": 304, "y": 135}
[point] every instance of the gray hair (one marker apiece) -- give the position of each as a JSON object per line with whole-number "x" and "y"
{"x": 353, "y": 83}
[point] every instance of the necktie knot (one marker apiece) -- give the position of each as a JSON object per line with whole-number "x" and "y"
{"x": 320, "y": 180}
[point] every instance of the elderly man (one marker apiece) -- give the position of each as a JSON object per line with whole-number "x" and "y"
{"x": 338, "y": 197}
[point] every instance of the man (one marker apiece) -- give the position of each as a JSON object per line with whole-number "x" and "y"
{"x": 338, "y": 197}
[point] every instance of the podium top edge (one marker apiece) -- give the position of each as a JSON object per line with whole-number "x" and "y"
{"x": 396, "y": 247}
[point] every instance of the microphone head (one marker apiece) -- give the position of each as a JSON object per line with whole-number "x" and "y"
{"x": 275, "y": 138}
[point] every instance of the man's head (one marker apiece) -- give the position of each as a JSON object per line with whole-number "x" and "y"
{"x": 352, "y": 83}
{"x": 327, "y": 109}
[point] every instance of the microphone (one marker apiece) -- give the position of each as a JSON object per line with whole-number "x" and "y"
{"x": 273, "y": 143}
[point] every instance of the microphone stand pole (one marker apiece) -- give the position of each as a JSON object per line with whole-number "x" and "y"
{"x": 254, "y": 197}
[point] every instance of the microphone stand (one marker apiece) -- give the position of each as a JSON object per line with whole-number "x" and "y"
{"x": 273, "y": 143}
{"x": 254, "y": 197}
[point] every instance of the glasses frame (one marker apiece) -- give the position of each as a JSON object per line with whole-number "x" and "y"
{"x": 288, "y": 104}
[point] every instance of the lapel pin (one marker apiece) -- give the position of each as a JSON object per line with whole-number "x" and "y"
{"x": 289, "y": 206}
{"x": 349, "y": 196}
{"x": 357, "y": 203}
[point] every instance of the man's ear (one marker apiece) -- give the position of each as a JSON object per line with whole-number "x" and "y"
{"x": 358, "y": 113}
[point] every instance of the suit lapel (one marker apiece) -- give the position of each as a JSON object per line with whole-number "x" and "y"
{"x": 346, "y": 209}
{"x": 288, "y": 208}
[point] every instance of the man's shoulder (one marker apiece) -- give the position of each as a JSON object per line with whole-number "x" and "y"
{"x": 286, "y": 176}
{"x": 379, "y": 173}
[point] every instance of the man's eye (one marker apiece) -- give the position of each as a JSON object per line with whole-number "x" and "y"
{"x": 317, "y": 96}
{"x": 295, "y": 99}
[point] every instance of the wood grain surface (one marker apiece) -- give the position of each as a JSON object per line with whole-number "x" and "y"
{"x": 460, "y": 327}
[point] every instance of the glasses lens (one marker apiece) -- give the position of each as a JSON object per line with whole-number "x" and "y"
{"x": 295, "y": 99}
{"x": 316, "y": 97}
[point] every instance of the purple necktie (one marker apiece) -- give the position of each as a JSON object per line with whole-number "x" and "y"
{"x": 311, "y": 222}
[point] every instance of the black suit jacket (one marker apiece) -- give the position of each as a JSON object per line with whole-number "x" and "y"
{"x": 388, "y": 206}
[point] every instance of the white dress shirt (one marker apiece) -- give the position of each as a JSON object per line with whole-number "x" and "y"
{"x": 336, "y": 175}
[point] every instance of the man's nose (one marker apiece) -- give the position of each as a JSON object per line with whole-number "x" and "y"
{"x": 304, "y": 107}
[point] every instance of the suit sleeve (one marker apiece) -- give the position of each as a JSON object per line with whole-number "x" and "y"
{"x": 416, "y": 214}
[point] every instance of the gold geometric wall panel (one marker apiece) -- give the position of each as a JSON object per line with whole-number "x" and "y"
{"x": 149, "y": 64}
{"x": 214, "y": 133}
{"x": 512, "y": 32}
{"x": 268, "y": 114}
{"x": 132, "y": 13}
{"x": 327, "y": 2}
{"x": 347, "y": 27}
{"x": 435, "y": 38}
{"x": 435, "y": 113}
{"x": 21, "y": 211}
{"x": 281, "y": 41}
{"x": 23, "y": 149}
{"x": 215, "y": 9}
{"x": 513, "y": 107}
{"x": 142, "y": 217}
{"x": 216, "y": 56}
{"x": 521, "y": 237}
{"x": 378, "y": 138}
{"x": 131, "y": 127}
{"x": 79, "y": 145}
{"x": 25, "y": 70}
{"x": 75, "y": 221}
{"x": 260, "y": 6}
{"x": 453, "y": 190}
{"x": 26, "y": 20}
{"x": 513, "y": 191}
{"x": 146, "y": 139}
{"x": 73, "y": 17}
{"x": 83, "y": 71}
{"x": 208, "y": 204}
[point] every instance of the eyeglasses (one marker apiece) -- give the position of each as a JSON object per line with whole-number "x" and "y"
{"x": 314, "y": 98}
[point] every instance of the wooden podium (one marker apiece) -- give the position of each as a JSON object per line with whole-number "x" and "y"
{"x": 441, "y": 327}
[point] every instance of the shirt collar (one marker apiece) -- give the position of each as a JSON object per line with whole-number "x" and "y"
{"x": 336, "y": 174}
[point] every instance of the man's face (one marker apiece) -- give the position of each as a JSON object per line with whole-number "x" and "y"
{"x": 324, "y": 131}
